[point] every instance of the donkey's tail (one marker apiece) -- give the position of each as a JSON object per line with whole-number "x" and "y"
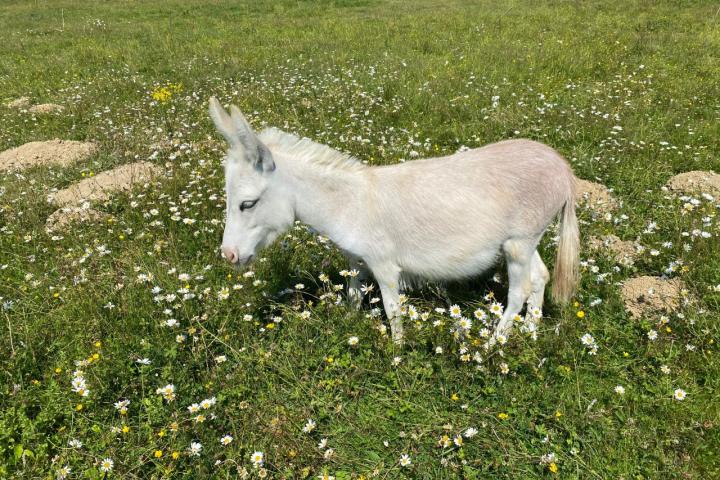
{"x": 567, "y": 262}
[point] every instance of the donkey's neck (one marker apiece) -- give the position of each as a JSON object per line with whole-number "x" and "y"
{"x": 327, "y": 199}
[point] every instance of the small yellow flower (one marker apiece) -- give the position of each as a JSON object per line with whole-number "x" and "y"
{"x": 626, "y": 354}
{"x": 175, "y": 455}
{"x": 668, "y": 329}
{"x": 98, "y": 344}
{"x": 78, "y": 407}
{"x": 454, "y": 397}
{"x": 270, "y": 326}
{"x": 158, "y": 453}
{"x": 558, "y": 414}
{"x": 125, "y": 429}
{"x": 161, "y": 433}
{"x": 576, "y": 304}
{"x": 503, "y": 416}
{"x": 580, "y": 314}
{"x": 56, "y": 295}
{"x": 329, "y": 359}
{"x": 58, "y": 370}
{"x": 96, "y": 356}
{"x": 553, "y": 467}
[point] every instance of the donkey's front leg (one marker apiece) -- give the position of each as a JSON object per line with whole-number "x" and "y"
{"x": 355, "y": 295}
{"x": 388, "y": 278}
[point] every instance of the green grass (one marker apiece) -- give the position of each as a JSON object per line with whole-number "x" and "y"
{"x": 379, "y": 80}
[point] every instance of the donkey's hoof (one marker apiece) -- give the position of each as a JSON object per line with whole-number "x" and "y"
{"x": 498, "y": 338}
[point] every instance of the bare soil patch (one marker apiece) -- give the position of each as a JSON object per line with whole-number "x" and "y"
{"x": 594, "y": 196}
{"x": 51, "y": 152}
{"x": 623, "y": 251}
{"x": 46, "y": 108}
{"x": 22, "y": 102}
{"x": 697, "y": 181}
{"x": 62, "y": 218}
{"x": 102, "y": 185}
{"x": 643, "y": 295}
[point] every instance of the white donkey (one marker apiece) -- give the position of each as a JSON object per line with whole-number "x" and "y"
{"x": 438, "y": 219}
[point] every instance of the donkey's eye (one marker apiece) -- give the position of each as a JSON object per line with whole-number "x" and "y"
{"x": 248, "y": 204}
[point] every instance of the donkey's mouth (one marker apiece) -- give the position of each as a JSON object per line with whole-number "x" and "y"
{"x": 243, "y": 262}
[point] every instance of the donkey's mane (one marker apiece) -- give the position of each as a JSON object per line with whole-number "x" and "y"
{"x": 304, "y": 149}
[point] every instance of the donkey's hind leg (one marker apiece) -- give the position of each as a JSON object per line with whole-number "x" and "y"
{"x": 518, "y": 255}
{"x": 539, "y": 277}
{"x": 388, "y": 278}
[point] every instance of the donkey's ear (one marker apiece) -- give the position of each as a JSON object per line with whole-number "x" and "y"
{"x": 255, "y": 152}
{"x": 223, "y": 122}
{"x": 265, "y": 161}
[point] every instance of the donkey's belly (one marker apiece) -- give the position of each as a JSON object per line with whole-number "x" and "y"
{"x": 445, "y": 265}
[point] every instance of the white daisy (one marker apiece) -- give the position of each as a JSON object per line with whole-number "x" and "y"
{"x": 106, "y": 465}
{"x": 257, "y": 458}
{"x": 679, "y": 394}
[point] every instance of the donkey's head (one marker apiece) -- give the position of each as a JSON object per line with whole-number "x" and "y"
{"x": 258, "y": 208}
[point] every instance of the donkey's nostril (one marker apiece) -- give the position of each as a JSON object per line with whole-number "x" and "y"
{"x": 230, "y": 254}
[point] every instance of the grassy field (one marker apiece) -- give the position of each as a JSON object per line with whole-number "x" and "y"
{"x": 628, "y": 91}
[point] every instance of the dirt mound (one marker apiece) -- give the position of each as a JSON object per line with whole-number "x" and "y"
{"x": 697, "y": 181}
{"x": 46, "y": 108}
{"x": 56, "y": 152}
{"x": 623, "y": 251}
{"x": 99, "y": 187}
{"x": 22, "y": 102}
{"x": 63, "y": 217}
{"x": 642, "y": 295}
{"x": 595, "y": 196}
